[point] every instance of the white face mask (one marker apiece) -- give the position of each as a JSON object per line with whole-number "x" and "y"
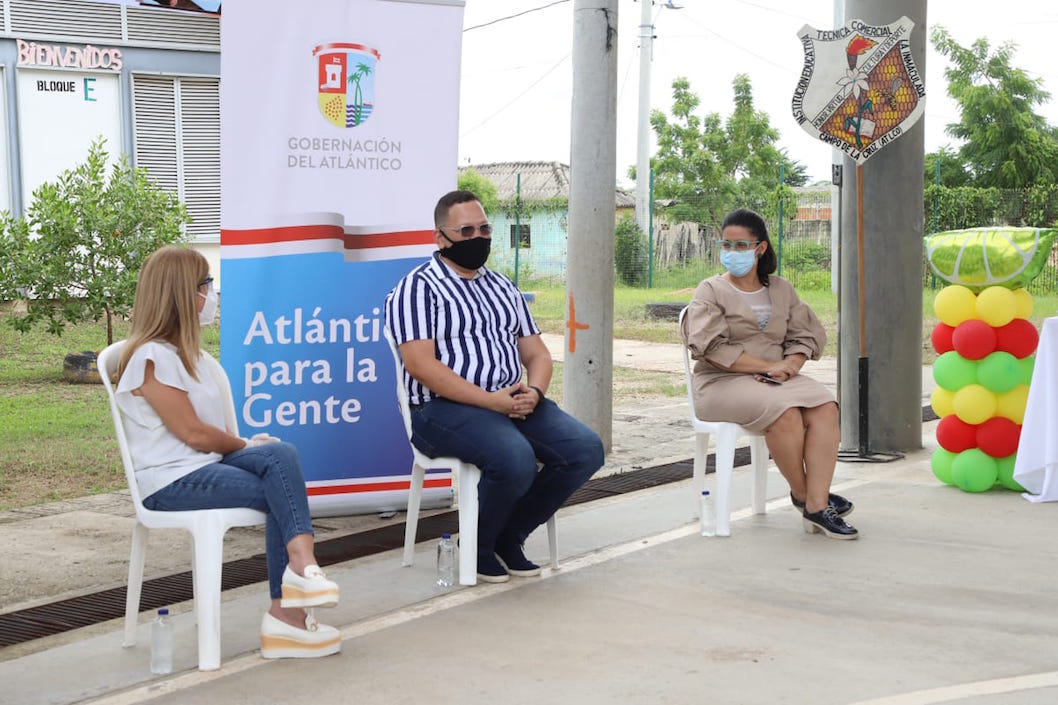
{"x": 209, "y": 310}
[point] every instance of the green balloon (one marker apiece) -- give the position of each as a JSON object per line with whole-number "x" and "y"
{"x": 999, "y": 372}
{"x": 952, "y": 371}
{"x": 1026, "y": 364}
{"x": 941, "y": 464}
{"x": 974, "y": 471}
{"x": 1005, "y": 475}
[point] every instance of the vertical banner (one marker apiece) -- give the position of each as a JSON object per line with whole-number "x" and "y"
{"x": 338, "y": 135}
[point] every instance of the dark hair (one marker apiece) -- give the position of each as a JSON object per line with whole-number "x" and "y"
{"x": 440, "y": 212}
{"x": 752, "y": 222}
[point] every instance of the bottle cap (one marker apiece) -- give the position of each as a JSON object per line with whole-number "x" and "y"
{"x": 446, "y": 536}
{"x": 163, "y": 611}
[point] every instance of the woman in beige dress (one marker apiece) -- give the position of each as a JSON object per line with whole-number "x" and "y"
{"x": 750, "y": 334}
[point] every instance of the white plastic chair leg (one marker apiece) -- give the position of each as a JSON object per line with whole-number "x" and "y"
{"x": 701, "y": 454}
{"x": 411, "y": 525}
{"x": 725, "y": 466}
{"x": 207, "y": 562}
{"x": 759, "y": 453}
{"x": 552, "y": 542}
{"x": 468, "y": 524}
{"x": 135, "y": 584}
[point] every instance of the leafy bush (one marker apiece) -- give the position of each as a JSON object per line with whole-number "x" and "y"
{"x": 76, "y": 254}
{"x": 630, "y": 253}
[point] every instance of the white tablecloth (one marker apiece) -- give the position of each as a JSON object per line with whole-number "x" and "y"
{"x": 1036, "y": 466}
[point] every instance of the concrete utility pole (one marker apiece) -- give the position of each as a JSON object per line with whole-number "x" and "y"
{"x": 646, "y": 54}
{"x": 892, "y": 235}
{"x": 588, "y": 382}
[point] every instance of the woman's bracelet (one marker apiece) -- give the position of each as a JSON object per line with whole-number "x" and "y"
{"x": 538, "y": 391}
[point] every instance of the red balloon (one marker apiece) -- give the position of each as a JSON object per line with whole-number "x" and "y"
{"x": 998, "y": 436}
{"x": 955, "y": 435}
{"x": 1019, "y": 338}
{"x": 974, "y": 339}
{"x": 941, "y": 338}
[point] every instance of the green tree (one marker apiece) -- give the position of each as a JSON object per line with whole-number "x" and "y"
{"x": 76, "y": 254}
{"x": 1005, "y": 143}
{"x": 953, "y": 171}
{"x": 709, "y": 166}
{"x": 471, "y": 180}
{"x": 630, "y": 252}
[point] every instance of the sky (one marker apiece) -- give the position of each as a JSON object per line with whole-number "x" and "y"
{"x": 515, "y": 96}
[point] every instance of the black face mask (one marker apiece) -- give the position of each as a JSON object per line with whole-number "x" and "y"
{"x": 468, "y": 254}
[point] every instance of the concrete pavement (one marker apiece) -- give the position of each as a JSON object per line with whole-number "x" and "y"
{"x": 947, "y": 597}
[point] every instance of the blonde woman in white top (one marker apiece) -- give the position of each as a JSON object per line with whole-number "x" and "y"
{"x": 186, "y": 459}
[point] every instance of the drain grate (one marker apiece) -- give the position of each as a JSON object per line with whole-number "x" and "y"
{"x": 85, "y": 610}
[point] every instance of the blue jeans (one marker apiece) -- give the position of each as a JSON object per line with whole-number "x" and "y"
{"x": 265, "y": 477}
{"x": 513, "y": 497}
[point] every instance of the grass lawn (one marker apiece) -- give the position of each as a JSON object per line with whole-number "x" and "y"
{"x": 57, "y": 441}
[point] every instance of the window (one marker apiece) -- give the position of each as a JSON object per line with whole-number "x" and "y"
{"x": 521, "y": 231}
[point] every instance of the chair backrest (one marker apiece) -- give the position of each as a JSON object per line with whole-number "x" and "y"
{"x": 107, "y": 364}
{"x": 687, "y": 364}
{"x": 402, "y": 391}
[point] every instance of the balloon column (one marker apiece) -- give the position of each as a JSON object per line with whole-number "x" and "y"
{"x": 986, "y": 345}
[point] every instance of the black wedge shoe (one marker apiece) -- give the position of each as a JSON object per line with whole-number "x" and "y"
{"x": 841, "y": 505}
{"x": 828, "y": 521}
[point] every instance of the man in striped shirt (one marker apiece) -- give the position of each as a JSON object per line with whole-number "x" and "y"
{"x": 464, "y": 333}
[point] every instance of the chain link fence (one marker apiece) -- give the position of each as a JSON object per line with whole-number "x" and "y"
{"x": 530, "y": 246}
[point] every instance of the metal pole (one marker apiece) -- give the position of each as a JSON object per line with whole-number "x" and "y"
{"x": 650, "y": 236}
{"x": 646, "y": 50}
{"x": 588, "y": 358}
{"x": 517, "y": 223}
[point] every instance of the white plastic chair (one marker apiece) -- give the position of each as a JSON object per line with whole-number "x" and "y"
{"x": 727, "y": 434}
{"x": 466, "y": 476}
{"x": 207, "y": 526}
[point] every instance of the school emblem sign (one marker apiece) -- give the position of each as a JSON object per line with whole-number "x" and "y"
{"x": 859, "y": 88}
{"x": 346, "y": 82}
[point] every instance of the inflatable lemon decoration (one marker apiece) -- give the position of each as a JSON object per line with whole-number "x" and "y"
{"x": 981, "y": 257}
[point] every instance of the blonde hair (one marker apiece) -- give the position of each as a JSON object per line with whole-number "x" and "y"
{"x": 165, "y": 307}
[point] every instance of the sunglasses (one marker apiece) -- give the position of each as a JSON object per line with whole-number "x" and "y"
{"x": 207, "y": 282}
{"x": 467, "y": 231}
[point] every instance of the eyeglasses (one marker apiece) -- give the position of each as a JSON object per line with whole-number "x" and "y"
{"x": 207, "y": 282}
{"x": 737, "y": 245}
{"x": 467, "y": 231}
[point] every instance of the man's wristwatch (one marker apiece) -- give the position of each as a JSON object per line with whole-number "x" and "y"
{"x": 539, "y": 391}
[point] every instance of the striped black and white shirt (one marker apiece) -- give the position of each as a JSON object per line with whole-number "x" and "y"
{"x": 475, "y": 324}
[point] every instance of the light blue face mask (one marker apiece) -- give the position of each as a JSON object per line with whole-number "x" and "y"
{"x": 738, "y": 263}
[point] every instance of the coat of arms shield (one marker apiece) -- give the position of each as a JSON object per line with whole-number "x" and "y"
{"x": 859, "y": 88}
{"x": 346, "y": 82}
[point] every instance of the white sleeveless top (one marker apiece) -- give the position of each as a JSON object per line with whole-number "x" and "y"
{"x": 158, "y": 456}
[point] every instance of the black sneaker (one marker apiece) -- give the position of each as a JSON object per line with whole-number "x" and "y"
{"x": 490, "y": 570}
{"x": 513, "y": 558}
{"x": 829, "y": 523}
{"x": 842, "y": 506}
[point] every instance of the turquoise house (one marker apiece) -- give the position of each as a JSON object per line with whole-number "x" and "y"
{"x": 536, "y": 235}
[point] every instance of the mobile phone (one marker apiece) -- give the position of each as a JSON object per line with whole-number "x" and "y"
{"x": 765, "y": 377}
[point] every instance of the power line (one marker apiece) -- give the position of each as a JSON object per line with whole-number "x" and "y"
{"x": 511, "y": 17}
{"x": 519, "y": 96}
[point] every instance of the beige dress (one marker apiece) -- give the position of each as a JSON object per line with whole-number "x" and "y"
{"x": 720, "y": 325}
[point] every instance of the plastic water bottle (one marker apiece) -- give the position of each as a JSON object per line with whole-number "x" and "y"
{"x": 446, "y": 561}
{"x": 162, "y": 643}
{"x": 707, "y": 514}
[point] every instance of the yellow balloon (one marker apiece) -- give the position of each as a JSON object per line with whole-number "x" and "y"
{"x": 974, "y": 404}
{"x": 941, "y": 401}
{"x": 1012, "y": 404}
{"x": 996, "y": 306}
{"x": 1023, "y": 302}
{"x": 954, "y": 304}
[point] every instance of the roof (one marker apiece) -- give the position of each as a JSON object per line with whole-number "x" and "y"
{"x": 540, "y": 181}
